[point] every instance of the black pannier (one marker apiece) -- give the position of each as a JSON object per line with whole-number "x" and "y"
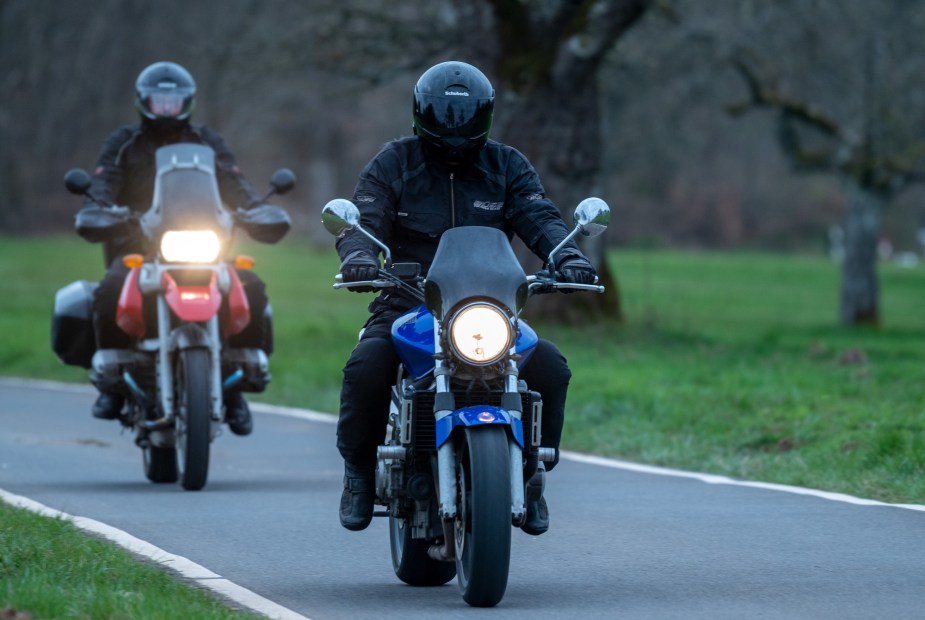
{"x": 72, "y": 337}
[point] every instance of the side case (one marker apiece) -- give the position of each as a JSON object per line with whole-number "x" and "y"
{"x": 72, "y": 337}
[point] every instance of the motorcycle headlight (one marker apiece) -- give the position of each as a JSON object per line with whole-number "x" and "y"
{"x": 190, "y": 246}
{"x": 481, "y": 334}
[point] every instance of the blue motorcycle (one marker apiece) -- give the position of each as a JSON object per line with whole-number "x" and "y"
{"x": 464, "y": 432}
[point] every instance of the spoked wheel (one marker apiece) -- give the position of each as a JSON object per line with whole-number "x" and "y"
{"x": 483, "y": 516}
{"x": 193, "y": 419}
{"x": 160, "y": 464}
{"x": 410, "y": 560}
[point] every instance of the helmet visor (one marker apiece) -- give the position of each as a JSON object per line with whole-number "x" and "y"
{"x": 454, "y": 115}
{"x": 166, "y": 105}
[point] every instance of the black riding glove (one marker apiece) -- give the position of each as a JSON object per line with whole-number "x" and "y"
{"x": 576, "y": 270}
{"x": 359, "y": 266}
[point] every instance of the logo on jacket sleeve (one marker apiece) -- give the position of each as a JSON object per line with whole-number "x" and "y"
{"x": 488, "y": 206}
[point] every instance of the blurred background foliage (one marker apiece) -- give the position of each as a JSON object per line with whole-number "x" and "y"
{"x": 320, "y": 85}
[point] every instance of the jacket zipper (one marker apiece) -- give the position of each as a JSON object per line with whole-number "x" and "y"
{"x": 452, "y": 203}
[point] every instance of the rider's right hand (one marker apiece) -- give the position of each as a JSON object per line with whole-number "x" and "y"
{"x": 97, "y": 223}
{"x": 359, "y": 266}
{"x": 120, "y": 211}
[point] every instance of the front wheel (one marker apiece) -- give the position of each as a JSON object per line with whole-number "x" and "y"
{"x": 410, "y": 560}
{"x": 193, "y": 420}
{"x": 160, "y": 464}
{"x": 483, "y": 515}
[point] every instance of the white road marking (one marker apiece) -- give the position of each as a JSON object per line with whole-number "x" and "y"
{"x": 714, "y": 479}
{"x": 185, "y": 567}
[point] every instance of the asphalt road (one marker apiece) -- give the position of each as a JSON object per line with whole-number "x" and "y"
{"x": 622, "y": 544}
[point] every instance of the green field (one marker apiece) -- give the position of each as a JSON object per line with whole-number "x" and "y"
{"x": 730, "y": 363}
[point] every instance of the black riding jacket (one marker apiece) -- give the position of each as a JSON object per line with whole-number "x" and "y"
{"x": 125, "y": 173}
{"x": 407, "y": 201}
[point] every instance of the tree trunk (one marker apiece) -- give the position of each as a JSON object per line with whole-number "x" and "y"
{"x": 546, "y": 56}
{"x": 859, "y": 287}
{"x": 557, "y": 128}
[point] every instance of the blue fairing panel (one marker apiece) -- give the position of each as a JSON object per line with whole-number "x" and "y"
{"x": 478, "y": 415}
{"x": 526, "y": 342}
{"x": 413, "y": 336}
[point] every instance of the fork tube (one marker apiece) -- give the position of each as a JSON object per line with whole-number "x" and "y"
{"x": 518, "y": 509}
{"x": 166, "y": 376}
{"x": 446, "y": 454}
{"x": 215, "y": 350}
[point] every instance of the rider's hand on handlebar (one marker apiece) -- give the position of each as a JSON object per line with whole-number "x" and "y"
{"x": 359, "y": 266}
{"x": 576, "y": 270}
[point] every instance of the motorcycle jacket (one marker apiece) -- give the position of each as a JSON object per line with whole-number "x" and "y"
{"x": 125, "y": 171}
{"x": 407, "y": 201}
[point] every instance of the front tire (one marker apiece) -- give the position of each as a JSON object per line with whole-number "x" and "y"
{"x": 410, "y": 560}
{"x": 193, "y": 420}
{"x": 483, "y": 515}
{"x": 160, "y": 464}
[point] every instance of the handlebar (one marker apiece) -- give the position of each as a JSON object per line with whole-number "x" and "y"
{"x": 397, "y": 276}
{"x": 539, "y": 284}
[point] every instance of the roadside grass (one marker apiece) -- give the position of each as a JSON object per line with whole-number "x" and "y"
{"x": 738, "y": 367}
{"x": 729, "y": 362}
{"x": 50, "y": 569}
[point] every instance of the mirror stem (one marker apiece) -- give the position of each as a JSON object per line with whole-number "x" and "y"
{"x": 555, "y": 250}
{"x": 385, "y": 249}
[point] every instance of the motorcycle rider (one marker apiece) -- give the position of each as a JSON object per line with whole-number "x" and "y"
{"x": 165, "y": 95}
{"x": 448, "y": 174}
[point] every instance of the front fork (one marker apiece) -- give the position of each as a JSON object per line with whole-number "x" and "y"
{"x": 165, "y": 370}
{"x": 446, "y": 454}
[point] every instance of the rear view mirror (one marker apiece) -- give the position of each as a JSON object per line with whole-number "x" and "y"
{"x": 77, "y": 181}
{"x": 282, "y": 181}
{"x": 592, "y": 215}
{"x": 339, "y": 216}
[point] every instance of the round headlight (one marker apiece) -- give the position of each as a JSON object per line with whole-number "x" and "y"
{"x": 190, "y": 246}
{"x": 481, "y": 334}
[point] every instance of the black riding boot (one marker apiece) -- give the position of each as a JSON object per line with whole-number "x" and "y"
{"x": 356, "y": 502}
{"x": 108, "y": 406}
{"x": 238, "y": 414}
{"x": 537, "y": 521}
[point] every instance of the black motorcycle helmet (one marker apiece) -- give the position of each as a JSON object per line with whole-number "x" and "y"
{"x": 165, "y": 92}
{"x": 453, "y": 107}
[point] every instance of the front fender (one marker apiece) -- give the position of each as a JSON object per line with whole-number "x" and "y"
{"x": 189, "y": 336}
{"x": 479, "y": 415}
{"x": 192, "y": 303}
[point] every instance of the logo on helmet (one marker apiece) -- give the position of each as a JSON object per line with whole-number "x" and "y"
{"x": 456, "y": 93}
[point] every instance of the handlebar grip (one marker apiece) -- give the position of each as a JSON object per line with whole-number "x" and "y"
{"x": 379, "y": 283}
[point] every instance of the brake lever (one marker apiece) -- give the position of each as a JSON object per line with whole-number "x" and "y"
{"x": 379, "y": 283}
{"x": 542, "y": 283}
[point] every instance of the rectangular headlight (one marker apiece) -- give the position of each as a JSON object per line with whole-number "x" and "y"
{"x": 190, "y": 246}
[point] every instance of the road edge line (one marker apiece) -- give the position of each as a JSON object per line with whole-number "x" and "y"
{"x": 186, "y": 568}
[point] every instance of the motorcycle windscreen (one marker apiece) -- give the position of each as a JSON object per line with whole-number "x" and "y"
{"x": 474, "y": 262}
{"x": 186, "y": 193}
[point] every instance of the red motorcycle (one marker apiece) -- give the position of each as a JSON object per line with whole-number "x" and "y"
{"x": 180, "y": 303}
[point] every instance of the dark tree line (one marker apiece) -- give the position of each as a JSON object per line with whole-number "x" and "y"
{"x": 626, "y": 99}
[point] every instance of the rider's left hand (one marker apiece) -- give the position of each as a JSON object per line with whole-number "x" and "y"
{"x": 576, "y": 270}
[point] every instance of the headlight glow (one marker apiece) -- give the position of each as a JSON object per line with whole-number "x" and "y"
{"x": 481, "y": 334}
{"x": 190, "y": 246}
